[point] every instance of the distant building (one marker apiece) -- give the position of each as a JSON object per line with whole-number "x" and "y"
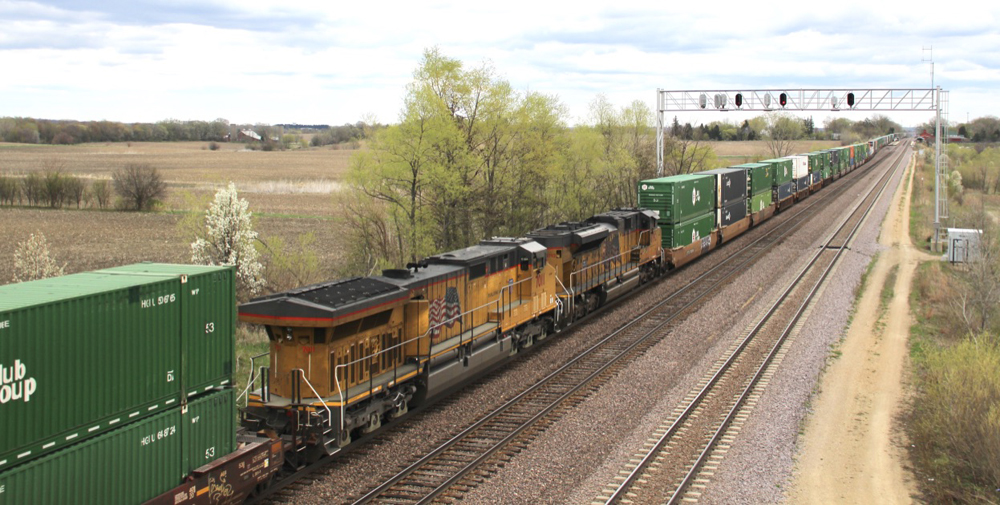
{"x": 249, "y": 135}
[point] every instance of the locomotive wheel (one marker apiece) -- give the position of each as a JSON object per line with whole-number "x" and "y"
{"x": 400, "y": 410}
{"x": 374, "y": 423}
{"x": 343, "y": 439}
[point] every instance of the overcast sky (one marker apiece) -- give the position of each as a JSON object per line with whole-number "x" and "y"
{"x": 335, "y": 62}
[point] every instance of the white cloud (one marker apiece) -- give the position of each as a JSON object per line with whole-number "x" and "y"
{"x": 322, "y": 62}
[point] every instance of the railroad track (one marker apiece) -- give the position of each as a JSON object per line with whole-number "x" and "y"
{"x": 678, "y": 460}
{"x": 478, "y": 451}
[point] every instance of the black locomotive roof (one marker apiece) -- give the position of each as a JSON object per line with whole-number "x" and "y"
{"x": 324, "y": 301}
{"x": 571, "y": 233}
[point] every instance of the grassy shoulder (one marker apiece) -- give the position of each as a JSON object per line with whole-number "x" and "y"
{"x": 954, "y": 418}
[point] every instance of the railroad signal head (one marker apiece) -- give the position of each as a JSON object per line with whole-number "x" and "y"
{"x": 850, "y": 99}
{"x": 703, "y": 100}
{"x": 783, "y": 99}
{"x": 739, "y": 99}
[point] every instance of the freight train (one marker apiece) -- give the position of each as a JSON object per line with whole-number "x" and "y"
{"x": 116, "y": 385}
{"x": 348, "y": 355}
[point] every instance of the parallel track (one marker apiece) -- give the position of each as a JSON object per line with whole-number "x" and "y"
{"x": 477, "y": 451}
{"x": 667, "y": 470}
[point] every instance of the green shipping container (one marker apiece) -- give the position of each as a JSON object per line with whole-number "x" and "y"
{"x": 208, "y": 321}
{"x": 761, "y": 176}
{"x": 781, "y": 170}
{"x": 760, "y": 201}
{"x": 688, "y": 232}
{"x": 131, "y": 464}
{"x": 83, "y": 354}
{"x": 678, "y": 198}
{"x": 818, "y": 161}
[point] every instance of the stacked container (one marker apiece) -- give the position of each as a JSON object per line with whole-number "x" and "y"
{"x": 90, "y": 355}
{"x": 800, "y": 172}
{"x": 731, "y": 191}
{"x": 133, "y": 463}
{"x": 762, "y": 177}
{"x": 686, "y": 205}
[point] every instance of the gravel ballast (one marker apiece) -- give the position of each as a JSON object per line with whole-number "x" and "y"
{"x": 574, "y": 459}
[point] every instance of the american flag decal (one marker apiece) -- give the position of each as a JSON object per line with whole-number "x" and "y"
{"x": 445, "y": 310}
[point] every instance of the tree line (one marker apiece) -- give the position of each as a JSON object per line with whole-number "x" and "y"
{"x": 27, "y": 130}
{"x": 761, "y": 128}
{"x": 137, "y": 186}
{"x": 472, "y": 157}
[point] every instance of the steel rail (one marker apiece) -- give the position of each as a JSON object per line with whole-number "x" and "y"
{"x": 703, "y": 393}
{"x": 792, "y": 223}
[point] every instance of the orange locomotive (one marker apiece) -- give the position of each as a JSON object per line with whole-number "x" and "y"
{"x": 348, "y": 354}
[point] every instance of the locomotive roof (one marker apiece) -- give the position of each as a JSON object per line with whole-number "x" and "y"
{"x": 471, "y": 254}
{"x": 324, "y": 301}
{"x": 571, "y": 233}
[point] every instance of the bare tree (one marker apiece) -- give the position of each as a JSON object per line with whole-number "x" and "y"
{"x": 780, "y": 132}
{"x": 977, "y": 303}
{"x": 140, "y": 185}
{"x": 685, "y": 156}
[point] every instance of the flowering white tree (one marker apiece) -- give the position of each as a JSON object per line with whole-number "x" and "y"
{"x": 32, "y": 260}
{"x": 229, "y": 240}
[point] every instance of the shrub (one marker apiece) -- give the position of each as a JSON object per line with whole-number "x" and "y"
{"x": 55, "y": 188}
{"x": 10, "y": 190}
{"x": 292, "y": 266}
{"x": 955, "y": 428}
{"x": 101, "y": 190}
{"x": 213, "y": 146}
{"x": 32, "y": 260}
{"x": 33, "y": 187}
{"x": 63, "y": 138}
{"x": 74, "y": 189}
{"x": 139, "y": 185}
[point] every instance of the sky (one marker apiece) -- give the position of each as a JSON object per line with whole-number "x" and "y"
{"x": 339, "y": 62}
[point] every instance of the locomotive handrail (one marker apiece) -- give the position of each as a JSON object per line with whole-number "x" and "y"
{"x": 250, "y": 378}
{"x": 337, "y": 368}
{"x": 510, "y": 295}
{"x": 601, "y": 263}
{"x": 302, "y": 373}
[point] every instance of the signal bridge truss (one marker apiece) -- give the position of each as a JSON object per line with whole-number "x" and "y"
{"x": 792, "y": 100}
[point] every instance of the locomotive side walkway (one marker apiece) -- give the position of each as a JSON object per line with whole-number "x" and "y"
{"x": 851, "y": 450}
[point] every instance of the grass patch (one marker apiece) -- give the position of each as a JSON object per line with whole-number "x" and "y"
{"x": 888, "y": 289}
{"x": 250, "y": 341}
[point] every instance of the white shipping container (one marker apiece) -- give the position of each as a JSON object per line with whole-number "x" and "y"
{"x": 800, "y": 166}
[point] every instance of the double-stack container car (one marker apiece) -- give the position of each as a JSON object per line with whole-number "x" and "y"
{"x": 784, "y": 184}
{"x": 686, "y": 205}
{"x": 760, "y": 198}
{"x": 116, "y": 384}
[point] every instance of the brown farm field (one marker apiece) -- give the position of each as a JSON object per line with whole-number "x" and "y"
{"x": 290, "y": 192}
{"x": 735, "y": 153}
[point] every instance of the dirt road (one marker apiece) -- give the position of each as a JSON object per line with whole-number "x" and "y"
{"x": 851, "y": 449}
